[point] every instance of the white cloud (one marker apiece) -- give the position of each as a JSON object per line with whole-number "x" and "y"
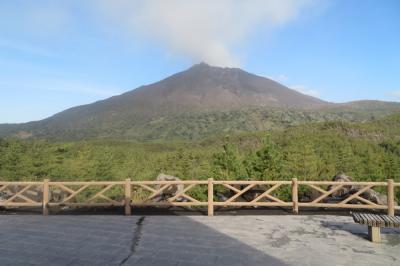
{"x": 278, "y": 78}
{"x": 394, "y": 94}
{"x": 305, "y": 90}
{"x": 282, "y": 78}
{"x": 205, "y": 30}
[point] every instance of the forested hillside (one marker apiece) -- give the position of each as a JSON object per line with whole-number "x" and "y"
{"x": 196, "y": 126}
{"x": 366, "y": 151}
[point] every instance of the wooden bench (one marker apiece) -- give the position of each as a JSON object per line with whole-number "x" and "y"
{"x": 375, "y": 222}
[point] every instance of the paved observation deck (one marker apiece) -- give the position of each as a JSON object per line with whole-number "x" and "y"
{"x": 192, "y": 240}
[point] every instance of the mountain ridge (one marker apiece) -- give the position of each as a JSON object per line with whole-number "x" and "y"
{"x": 200, "y": 92}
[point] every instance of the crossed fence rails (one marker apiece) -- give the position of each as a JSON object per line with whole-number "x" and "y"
{"x": 130, "y": 194}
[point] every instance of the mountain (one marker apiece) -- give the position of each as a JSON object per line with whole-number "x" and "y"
{"x": 203, "y": 87}
{"x": 200, "y": 101}
{"x": 200, "y": 88}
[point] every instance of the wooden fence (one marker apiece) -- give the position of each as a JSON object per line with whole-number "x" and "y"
{"x": 211, "y": 193}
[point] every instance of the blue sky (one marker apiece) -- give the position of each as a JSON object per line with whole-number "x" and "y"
{"x": 55, "y": 55}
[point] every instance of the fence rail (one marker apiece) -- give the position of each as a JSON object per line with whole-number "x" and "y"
{"x": 210, "y": 193}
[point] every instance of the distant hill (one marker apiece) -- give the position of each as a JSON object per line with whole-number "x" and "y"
{"x": 201, "y": 101}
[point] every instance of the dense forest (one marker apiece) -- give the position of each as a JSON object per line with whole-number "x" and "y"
{"x": 317, "y": 151}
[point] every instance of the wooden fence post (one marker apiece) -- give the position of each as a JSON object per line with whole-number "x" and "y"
{"x": 390, "y": 197}
{"x": 210, "y": 197}
{"x": 45, "y": 197}
{"x": 295, "y": 196}
{"x": 128, "y": 197}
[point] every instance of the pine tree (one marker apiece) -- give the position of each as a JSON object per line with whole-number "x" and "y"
{"x": 266, "y": 163}
{"x": 227, "y": 165}
{"x": 392, "y": 166}
{"x": 302, "y": 162}
{"x": 344, "y": 159}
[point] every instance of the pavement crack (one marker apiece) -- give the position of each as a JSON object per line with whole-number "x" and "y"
{"x": 137, "y": 235}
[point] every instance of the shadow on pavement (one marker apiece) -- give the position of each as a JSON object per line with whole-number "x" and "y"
{"x": 120, "y": 240}
{"x": 168, "y": 240}
{"x": 358, "y": 230}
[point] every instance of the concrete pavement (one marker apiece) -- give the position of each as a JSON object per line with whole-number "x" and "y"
{"x": 192, "y": 240}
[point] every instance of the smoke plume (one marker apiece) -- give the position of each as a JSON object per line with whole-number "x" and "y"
{"x": 204, "y": 30}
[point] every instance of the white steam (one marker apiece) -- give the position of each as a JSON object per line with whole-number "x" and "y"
{"x": 205, "y": 30}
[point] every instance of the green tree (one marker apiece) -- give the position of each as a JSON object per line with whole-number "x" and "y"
{"x": 301, "y": 161}
{"x": 266, "y": 163}
{"x": 345, "y": 161}
{"x": 392, "y": 166}
{"x": 227, "y": 164}
{"x": 104, "y": 165}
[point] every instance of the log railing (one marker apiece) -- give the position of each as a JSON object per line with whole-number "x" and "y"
{"x": 211, "y": 193}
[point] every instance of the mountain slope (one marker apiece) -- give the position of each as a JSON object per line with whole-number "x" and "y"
{"x": 200, "y": 88}
{"x": 204, "y": 87}
{"x": 198, "y": 102}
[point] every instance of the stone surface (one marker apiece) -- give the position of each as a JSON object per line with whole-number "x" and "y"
{"x": 347, "y": 191}
{"x": 169, "y": 191}
{"x": 192, "y": 240}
